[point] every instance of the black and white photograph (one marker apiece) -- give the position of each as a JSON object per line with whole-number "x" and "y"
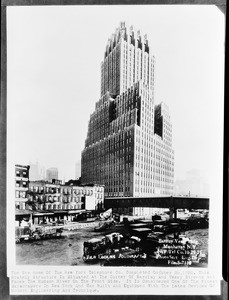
{"x": 115, "y": 135}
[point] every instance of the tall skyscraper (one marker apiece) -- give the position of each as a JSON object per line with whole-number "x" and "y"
{"x": 129, "y": 141}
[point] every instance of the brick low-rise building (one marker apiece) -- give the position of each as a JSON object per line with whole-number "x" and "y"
{"x": 42, "y": 200}
{"x": 46, "y": 196}
{"x": 21, "y": 185}
{"x": 55, "y": 201}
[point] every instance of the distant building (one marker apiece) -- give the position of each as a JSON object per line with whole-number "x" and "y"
{"x": 37, "y": 172}
{"x": 21, "y": 185}
{"x": 51, "y": 173}
{"x": 34, "y": 172}
{"x": 193, "y": 185}
{"x": 77, "y": 169}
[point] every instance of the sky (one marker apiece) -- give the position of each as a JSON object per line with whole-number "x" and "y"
{"x": 53, "y": 79}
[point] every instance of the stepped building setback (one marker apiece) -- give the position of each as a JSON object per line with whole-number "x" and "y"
{"x": 128, "y": 147}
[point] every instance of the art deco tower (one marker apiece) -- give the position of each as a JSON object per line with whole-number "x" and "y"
{"x": 127, "y": 60}
{"x": 129, "y": 141}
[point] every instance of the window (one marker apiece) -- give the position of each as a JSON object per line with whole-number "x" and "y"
{"x": 22, "y": 194}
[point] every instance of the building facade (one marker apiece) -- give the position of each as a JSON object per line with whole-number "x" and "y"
{"x": 128, "y": 147}
{"x": 21, "y": 185}
{"x": 41, "y": 200}
{"x": 43, "y": 195}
